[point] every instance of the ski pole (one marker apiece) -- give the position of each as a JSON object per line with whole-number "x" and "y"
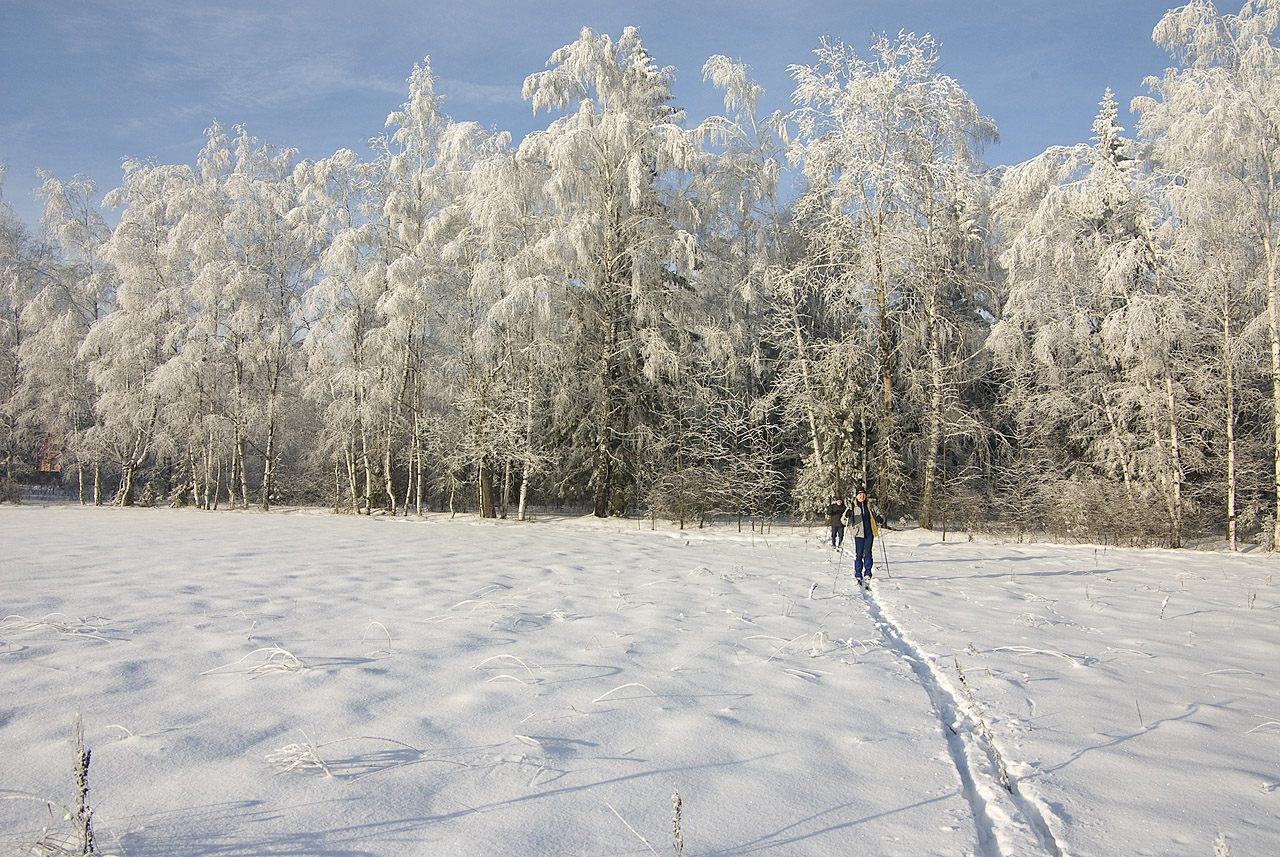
{"x": 885, "y": 554}
{"x": 839, "y": 560}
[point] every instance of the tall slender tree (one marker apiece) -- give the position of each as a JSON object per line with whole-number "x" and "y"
{"x": 128, "y": 349}
{"x": 889, "y": 148}
{"x": 1090, "y": 329}
{"x": 1214, "y": 123}
{"x": 72, "y": 302}
{"x": 741, "y": 240}
{"x": 614, "y": 155}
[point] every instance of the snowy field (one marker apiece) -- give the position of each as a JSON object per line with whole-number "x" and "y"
{"x": 310, "y": 684}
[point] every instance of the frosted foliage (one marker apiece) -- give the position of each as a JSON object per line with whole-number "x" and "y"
{"x": 1139, "y": 333}
{"x": 617, "y": 136}
{"x": 739, "y": 217}
{"x": 1214, "y": 131}
{"x": 882, "y": 114}
{"x": 1200, "y": 37}
{"x": 741, "y": 93}
{"x": 883, "y": 141}
{"x": 69, "y": 217}
{"x": 54, "y": 380}
{"x": 619, "y": 307}
{"x": 416, "y": 119}
{"x": 622, "y": 129}
{"x": 1096, "y": 328}
{"x": 889, "y": 149}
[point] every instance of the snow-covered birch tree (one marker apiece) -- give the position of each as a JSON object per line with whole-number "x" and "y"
{"x": 1214, "y": 124}
{"x": 421, "y": 163}
{"x": 385, "y": 293}
{"x": 251, "y": 263}
{"x": 127, "y": 349}
{"x": 339, "y": 207}
{"x": 614, "y": 155}
{"x": 510, "y": 345}
{"x": 71, "y": 303}
{"x": 1092, "y": 330}
{"x": 889, "y": 149}
{"x": 25, "y": 268}
{"x": 741, "y": 227}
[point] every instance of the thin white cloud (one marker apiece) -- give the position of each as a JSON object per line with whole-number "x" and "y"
{"x": 491, "y": 93}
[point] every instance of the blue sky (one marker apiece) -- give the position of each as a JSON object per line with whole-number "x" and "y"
{"x": 86, "y": 83}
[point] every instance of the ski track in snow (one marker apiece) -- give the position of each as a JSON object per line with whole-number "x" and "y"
{"x": 1007, "y": 821}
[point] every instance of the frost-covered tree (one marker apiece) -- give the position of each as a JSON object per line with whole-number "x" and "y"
{"x": 365, "y": 346}
{"x": 423, "y": 161}
{"x": 615, "y": 155}
{"x": 127, "y": 350}
{"x": 73, "y": 300}
{"x": 387, "y": 300}
{"x": 947, "y": 320}
{"x": 741, "y": 232}
{"x": 253, "y": 258}
{"x": 26, "y": 271}
{"x": 1214, "y": 127}
{"x": 341, "y": 210}
{"x": 1090, "y": 334}
{"x": 508, "y": 353}
{"x": 889, "y": 148}
{"x": 740, "y": 213}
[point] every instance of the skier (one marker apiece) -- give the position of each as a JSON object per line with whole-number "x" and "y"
{"x": 835, "y": 519}
{"x": 865, "y": 524}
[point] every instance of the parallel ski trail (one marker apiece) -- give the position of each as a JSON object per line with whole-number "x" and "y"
{"x": 1007, "y": 822}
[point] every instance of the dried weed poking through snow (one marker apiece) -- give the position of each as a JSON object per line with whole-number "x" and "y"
{"x": 259, "y": 662}
{"x": 305, "y": 757}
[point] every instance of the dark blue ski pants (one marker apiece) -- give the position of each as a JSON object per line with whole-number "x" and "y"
{"x": 862, "y": 555}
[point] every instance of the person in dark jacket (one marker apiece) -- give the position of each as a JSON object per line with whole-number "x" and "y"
{"x": 865, "y": 524}
{"x": 835, "y": 519}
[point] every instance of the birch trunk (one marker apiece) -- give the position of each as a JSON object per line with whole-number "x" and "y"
{"x": 268, "y": 464}
{"x": 603, "y": 465}
{"x": 1230, "y": 415}
{"x": 269, "y": 459}
{"x": 388, "y": 486}
{"x": 138, "y": 456}
{"x": 368, "y": 468}
{"x": 523, "y": 511}
{"x": 1175, "y": 461}
{"x": 803, "y": 352}
{"x": 486, "y": 490}
{"x": 886, "y": 378}
{"x": 207, "y": 499}
{"x": 408, "y": 482}
{"x": 1118, "y": 438}
{"x": 195, "y": 477}
{"x": 933, "y": 441}
{"x": 1273, "y": 318}
{"x": 422, "y": 467}
{"x": 353, "y": 476}
{"x": 241, "y": 443}
{"x": 506, "y": 490}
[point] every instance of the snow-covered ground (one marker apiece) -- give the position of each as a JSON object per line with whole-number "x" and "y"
{"x": 310, "y": 684}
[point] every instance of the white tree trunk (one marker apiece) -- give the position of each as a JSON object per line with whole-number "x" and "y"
{"x": 929, "y": 460}
{"x": 1273, "y": 330}
{"x": 1230, "y": 416}
{"x": 1175, "y": 465}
